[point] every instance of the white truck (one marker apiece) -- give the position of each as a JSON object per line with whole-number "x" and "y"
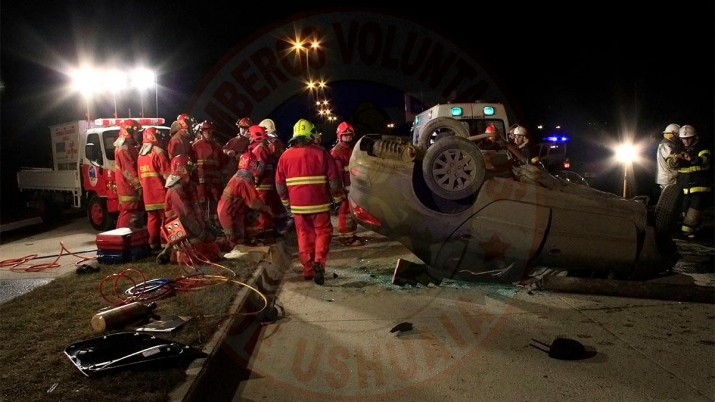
{"x": 82, "y": 175}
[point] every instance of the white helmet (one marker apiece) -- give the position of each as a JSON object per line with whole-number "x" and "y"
{"x": 671, "y": 130}
{"x": 519, "y": 130}
{"x": 687, "y": 131}
{"x": 268, "y": 125}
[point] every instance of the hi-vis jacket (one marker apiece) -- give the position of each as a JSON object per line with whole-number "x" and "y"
{"x": 125, "y": 170}
{"x": 154, "y": 168}
{"x": 307, "y": 180}
{"x": 266, "y": 165}
{"x": 694, "y": 176}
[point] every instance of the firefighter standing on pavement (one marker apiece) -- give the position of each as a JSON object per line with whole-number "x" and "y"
{"x": 180, "y": 141}
{"x": 307, "y": 182}
{"x": 341, "y": 152}
{"x": 154, "y": 167}
{"x": 238, "y": 199}
{"x": 667, "y": 147}
{"x": 210, "y": 162}
{"x": 129, "y": 189}
{"x": 236, "y": 146}
{"x": 262, "y": 227}
{"x": 277, "y": 147}
{"x": 693, "y": 165}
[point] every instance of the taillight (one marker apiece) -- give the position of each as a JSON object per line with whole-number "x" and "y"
{"x": 567, "y": 164}
{"x": 363, "y": 215}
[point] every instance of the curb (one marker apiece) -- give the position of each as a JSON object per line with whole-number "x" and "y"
{"x": 205, "y": 372}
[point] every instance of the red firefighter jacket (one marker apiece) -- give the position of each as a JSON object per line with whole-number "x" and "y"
{"x": 154, "y": 168}
{"x": 239, "y": 145}
{"x": 210, "y": 161}
{"x": 125, "y": 170}
{"x": 238, "y": 198}
{"x": 266, "y": 165}
{"x": 180, "y": 143}
{"x": 181, "y": 202}
{"x": 341, "y": 153}
{"x": 307, "y": 179}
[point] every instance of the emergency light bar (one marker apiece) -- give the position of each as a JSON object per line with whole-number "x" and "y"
{"x": 456, "y": 111}
{"x": 555, "y": 138}
{"x": 144, "y": 122}
{"x": 488, "y": 111}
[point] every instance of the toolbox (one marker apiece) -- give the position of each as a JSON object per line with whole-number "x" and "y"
{"x": 122, "y": 239}
{"x": 122, "y": 256}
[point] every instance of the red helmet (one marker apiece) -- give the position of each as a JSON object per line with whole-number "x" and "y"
{"x": 151, "y": 136}
{"x": 491, "y": 129}
{"x": 185, "y": 120}
{"x": 257, "y": 132}
{"x": 346, "y": 129}
{"x": 181, "y": 165}
{"x": 128, "y": 127}
{"x": 244, "y": 122}
{"x": 249, "y": 162}
{"x": 207, "y": 126}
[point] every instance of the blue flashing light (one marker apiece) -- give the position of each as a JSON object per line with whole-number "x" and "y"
{"x": 417, "y": 119}
{"x": 557, "y": 138}
{"x": 456, "y": 111}
{"x": 488, "y": 111}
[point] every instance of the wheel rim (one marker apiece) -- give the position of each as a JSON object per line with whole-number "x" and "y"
{"x": 96, "y": 214}
{"x": 454, "y": 170}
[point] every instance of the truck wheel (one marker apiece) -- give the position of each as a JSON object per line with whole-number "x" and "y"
{"x": 50, "y": 211}
{"x": 98, "y": 215}
{"x": 453, "y": 168}
{"x": 439, "y": 128}
{"x": 667, "y": 210}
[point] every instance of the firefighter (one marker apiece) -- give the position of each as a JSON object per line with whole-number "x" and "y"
{"x": 210, "y": 162}
{"x": 261, "y": 229}
{"x": 129, "y": 188}
{"x": 238, "y": 199}
{"x": 307, "y": 182}
{"x": 668, "y": 146}
{"x": 277, "y": 147}
{"x": 693, "y": 165}
{"x": 154, "y": 168}
{"x": 347, "y": 225}
{"x": 181, "y": 203}
{"x": 181, "y": 136}
{"x": 493, "y": 142}
{"x": 235, "y": 147}
{"x": 517, "y": 137}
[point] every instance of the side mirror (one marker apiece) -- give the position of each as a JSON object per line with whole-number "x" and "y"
{"x": 92, "y": 153}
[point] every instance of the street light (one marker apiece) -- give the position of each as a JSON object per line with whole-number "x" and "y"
{"x": 142, "y": 79}
{"x": 626, "y": 153}
{"x": 115, "y": 81}
{"x": 86, "y": 81}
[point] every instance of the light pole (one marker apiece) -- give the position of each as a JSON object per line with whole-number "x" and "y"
{"x": 116, "y": 81}
{"x": 625, "y": 153}
{"x": 86, "y": 81}
{"x": 143, "y": 79}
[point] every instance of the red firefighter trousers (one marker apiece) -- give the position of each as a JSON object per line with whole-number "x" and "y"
{"x": 314, "y": 233}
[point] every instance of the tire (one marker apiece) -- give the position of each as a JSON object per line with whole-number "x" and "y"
{"x": 439, "y": 128}
{"x": 453, "y": 168}
{"x": 667, "y": 209}
{"x": 50, "y": 211}
{"x": 98, "y": 215}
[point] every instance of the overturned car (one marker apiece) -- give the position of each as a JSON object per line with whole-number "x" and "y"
{"x": 473, "y": 214}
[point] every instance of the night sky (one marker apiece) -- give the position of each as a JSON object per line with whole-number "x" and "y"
{"x": 593, "y": 67}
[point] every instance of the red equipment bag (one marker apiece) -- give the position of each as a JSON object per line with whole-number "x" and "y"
{"x": 122, "y": 239}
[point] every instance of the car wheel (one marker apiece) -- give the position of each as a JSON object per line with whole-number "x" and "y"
{"x": 98, "y": 215}
{"x": 439, "y": 128}
{"x": 667, "y": 209}
{"x": 453, "y": 168}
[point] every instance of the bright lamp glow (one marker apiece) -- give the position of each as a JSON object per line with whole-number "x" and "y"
{"x": 626, "y": 153}
{"x": 142, "y": 78}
